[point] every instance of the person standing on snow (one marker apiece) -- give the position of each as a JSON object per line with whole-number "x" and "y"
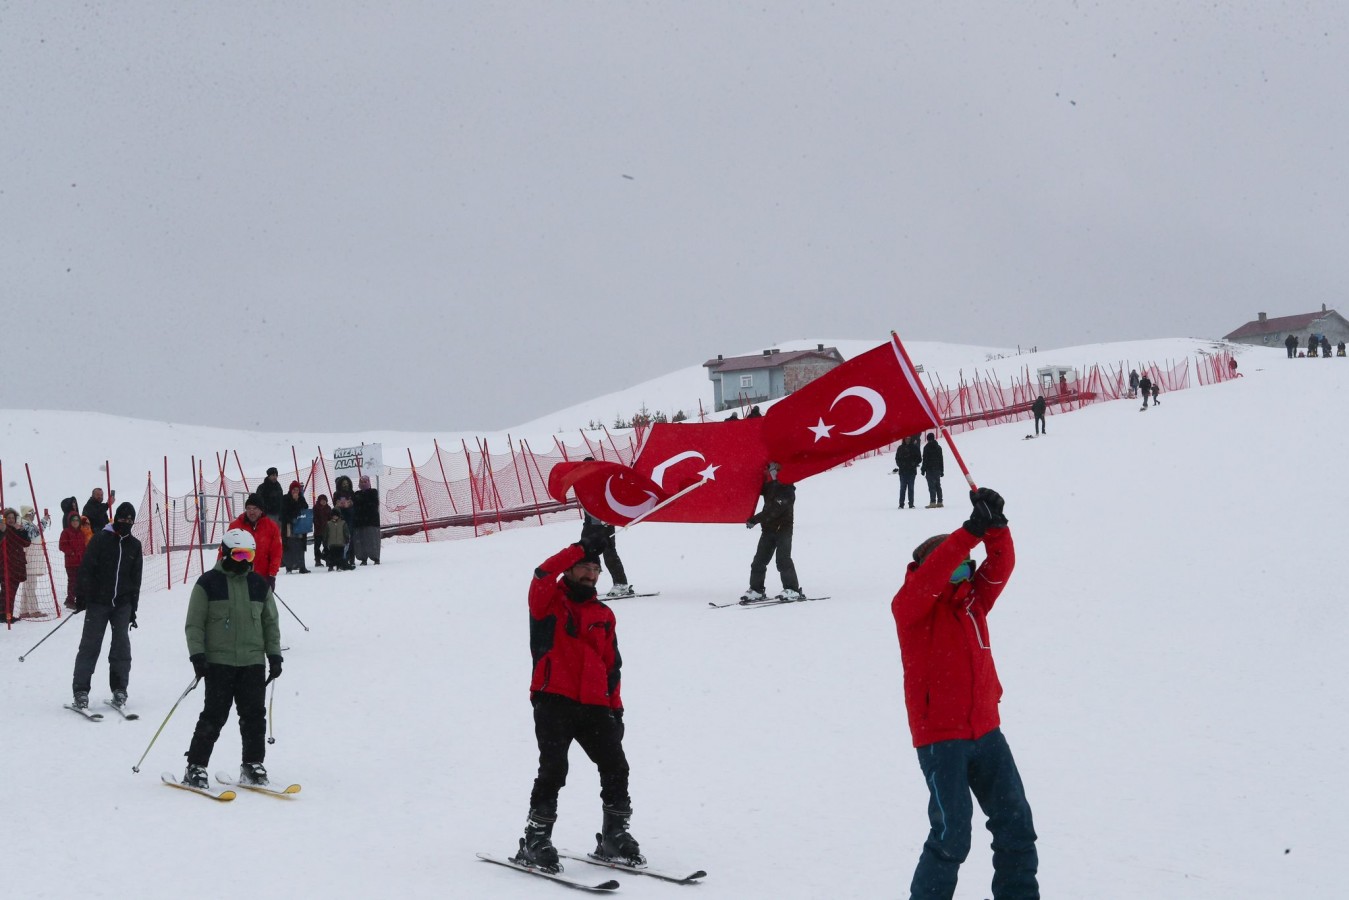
{"x": 1145, "y": 385}
{"x": 96, "y": 511}
{"x": 1038, "y": 408}
{"x": 1133, "y": 383}
{"x": 575, "y": 691}
{"x": 908, "y": 457}
{"x": 951, "y": 692}
{"x": 266, "y": 537}
{"x": 934, "y": 466}
{"x": 232, "y": 628}
{"x": 1290, "y": 344}
{"x": 292, "y": 544}
{"x": 271, "y": 494}
{"x": 775, "y": 523}
{"x": 109, "y": 592}
{"x": 365, "y": 522}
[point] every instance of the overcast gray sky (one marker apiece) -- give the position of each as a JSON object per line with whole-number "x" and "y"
{"x": 313, "y": 215}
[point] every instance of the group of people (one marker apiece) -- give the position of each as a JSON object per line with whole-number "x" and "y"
{"x": 346, "y": 531}
{"x": 1314, "y": 341}
{"x": 1142, "y": 384}
{"x": 911, "y": 460}
{"x": 951, "y": 691}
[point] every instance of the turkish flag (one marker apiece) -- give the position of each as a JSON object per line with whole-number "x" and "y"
{"x": 730, "y": 456}
{"x": 869, "y": 401}
{"x": 609, "y": 491}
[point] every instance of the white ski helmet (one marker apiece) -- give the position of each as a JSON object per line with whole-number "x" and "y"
{"x": 236, "y": 538}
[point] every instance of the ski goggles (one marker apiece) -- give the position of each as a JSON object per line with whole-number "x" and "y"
{"x": 242, "y": 554}
{"x": 963, "y": 572}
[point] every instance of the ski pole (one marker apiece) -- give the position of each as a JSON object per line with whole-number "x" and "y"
{"x": 137, "y": 767}
{"x": 52, "y": 632}
{"x": 288, "y": 609}
{"x": 271, "y": 736}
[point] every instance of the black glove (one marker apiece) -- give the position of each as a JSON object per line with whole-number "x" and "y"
{"x": 199, "y": 664}
{"x": 133, "y": 619}
{"x": 751, "y": 521}
{"x": 985, "y": 513}
{"x": 271, "y": 582}
{"x": 273, "y": 667}
{"x": 594, "y": 544}
{"x": 894, "y": 471}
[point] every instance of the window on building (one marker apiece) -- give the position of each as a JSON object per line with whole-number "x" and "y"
{"x": 746, "y": 381}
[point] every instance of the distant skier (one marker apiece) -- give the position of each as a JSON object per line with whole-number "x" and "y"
{"x": 908, "y": 457}
{"x": 1145, "y": 386}
{"x": 1133, "y": 383}
{"x": 575, "y": 691}
{"x": 1038, "y": 408}
{"x": 933, "y": 468}
{"x": 951, "y": 691}
{"x": 232, "y": 629}
{"x": 775, "y": 523}
{"x": 1290, "y": 344}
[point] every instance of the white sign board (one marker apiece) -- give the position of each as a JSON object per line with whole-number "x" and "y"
{"x": 367, "y": 459}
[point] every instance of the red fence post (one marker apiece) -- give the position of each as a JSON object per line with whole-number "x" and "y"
{"x": 168, "y": 532}
{"x": 472, "y": 491}
{"x": 529, "y": 456}
{"x": 421, "y": 501}
{"x": 444, "y": 478}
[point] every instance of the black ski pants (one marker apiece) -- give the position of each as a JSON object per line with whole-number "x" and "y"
{"x": 97, "y": 618}
{"x": 614, "y": 564}
{"x": 771, "y": 543}
{"x": 244, "y": 687}
{"x": 560, "y": 720}
{"x": 1039, "y": 423}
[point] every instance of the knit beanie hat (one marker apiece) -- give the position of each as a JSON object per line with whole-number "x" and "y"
{"x": 254, "y": 500}
{"x": 125, "y": 511}
{"x": 922, "y": 550}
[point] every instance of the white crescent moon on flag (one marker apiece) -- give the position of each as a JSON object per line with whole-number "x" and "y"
{"x": 631, "y": 512}
{"x": 873, "y": 398}
{"x": 658, "y": 473}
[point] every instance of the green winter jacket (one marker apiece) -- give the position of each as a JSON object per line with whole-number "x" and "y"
{"x": 232, "y": 619}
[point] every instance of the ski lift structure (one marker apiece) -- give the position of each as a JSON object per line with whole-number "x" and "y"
{"x": 1057, "y": 382}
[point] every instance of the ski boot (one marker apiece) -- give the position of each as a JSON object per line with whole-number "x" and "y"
{"x": 614, "y": 843}
{"x": 536, "y": 847}
{"x": 196, "y": 777}
{"x": 253, "y": 773}
{"x": 619, "y": 590}
{"x": 753, "y": 596}
{"x": 119, "y": 699}
{"x": 790, "y": 594}
{"x": 81, "y": 700}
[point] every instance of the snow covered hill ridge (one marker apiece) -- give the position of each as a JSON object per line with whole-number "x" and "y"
{"x": 67, "y": 451}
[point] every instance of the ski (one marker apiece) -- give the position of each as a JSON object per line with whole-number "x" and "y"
{"x": 643, "y": 870}
{"x": 601, "y": 888}
{"x": 84, "y": 711}
{"x": 767, "y": 601}
{"x": 121, "y": 710}
{"x": 778, "y": 601}
{"x": 286, "y": 791}
{"x": 171, "y": 781}
{"x": 607, "y": 599}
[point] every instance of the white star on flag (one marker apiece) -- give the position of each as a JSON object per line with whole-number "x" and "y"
{"x": 821, "y": 430}
{"x": 710, "y": 473}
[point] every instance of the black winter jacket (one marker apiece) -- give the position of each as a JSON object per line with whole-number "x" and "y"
{"x": 778, "y": 502}
{"x": 271, "y": 493}
{"x": 1038, "y": 407}
{"x": 365, "y": 508}
{"x": 908, "y": 458}
{"x": 110, "y": 574}
{"x": 933, "y": 461}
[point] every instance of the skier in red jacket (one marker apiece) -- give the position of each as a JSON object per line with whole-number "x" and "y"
{"x": 951, "y": 690}
{"x": 575, "y": 693}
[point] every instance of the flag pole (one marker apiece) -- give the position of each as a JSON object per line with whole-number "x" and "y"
{"x": 664, "y": 503}
{"x": 929, "y": 407}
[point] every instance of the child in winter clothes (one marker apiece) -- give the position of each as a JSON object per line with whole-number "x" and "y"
{"x": 338, "y": 535}
{"x": 72, "y": 544}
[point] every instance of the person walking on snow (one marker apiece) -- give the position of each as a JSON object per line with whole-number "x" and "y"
{"x": 951, "y": 692}
{"x": 933, "y": 469}
{"x": 1133, "y": 383}
{"x": 109, "y": 591}
{"x": 1145, "y": 385}
{"x": 232, "y": 628}
{"x": 775, "y": 522}
{"x": 1038, "y": 408}
{"x": 908, "y": 457}
{"x": 575, "y": 691}
{"x": 1290, "y": 344}
{"x": 266, "y": 537}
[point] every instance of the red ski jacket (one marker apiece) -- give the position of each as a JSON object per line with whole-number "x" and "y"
{"x": 573, "y": 643}
{"x": 951, "y": 687}
{"x": 267, "y": 559}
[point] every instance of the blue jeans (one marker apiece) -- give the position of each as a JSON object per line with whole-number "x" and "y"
{"x": 906, "y": 482}
{"x": 985, "y": 767}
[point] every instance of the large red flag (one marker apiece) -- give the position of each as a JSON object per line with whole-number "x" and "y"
{"x": 609, "y": 491}
{"x": 729, "y": 455}
{"x": 869, "y": 401}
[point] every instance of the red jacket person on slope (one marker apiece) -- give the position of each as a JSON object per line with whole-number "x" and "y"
{"x": 951, "y": 690}
{"x": 575, "y": 693}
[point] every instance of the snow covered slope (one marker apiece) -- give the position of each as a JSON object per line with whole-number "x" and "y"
{"x": 1170, "y": 646}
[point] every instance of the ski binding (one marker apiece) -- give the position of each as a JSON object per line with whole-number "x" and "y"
{"x": 169, "y": 779}
{"x": 601, "y": 888}
{"x": 87, "y": 713}
{"x": 288, "y": 790}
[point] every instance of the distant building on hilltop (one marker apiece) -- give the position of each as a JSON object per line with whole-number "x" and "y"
{"x": 741, "y": 380}
{"x": 1267, "y": 332}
